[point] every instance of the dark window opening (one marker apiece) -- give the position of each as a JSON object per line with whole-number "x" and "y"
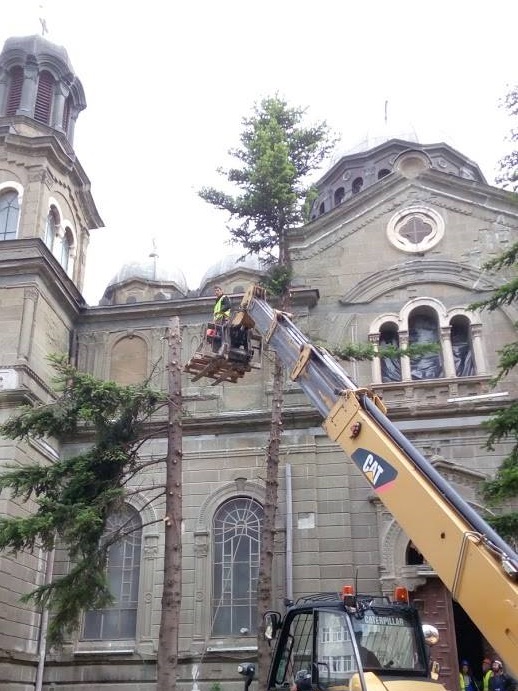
{"x": 423, "y": 329}
{"x": 383, "y": 173}
{"x": 339, "y": 195}
{"x": 9, "y": 212}
{"x": 237, "y": 529}
{"x": 322, "y": 209}
{"x": 413, "y": 556}
{"x": 44, "y": 97}
{"x": 461, "y": 347}
{"x": 119, "y": 619}
{"x": 357, "y": 185}
{"x": 390, "y": 366}
{"x": 14, "y": 95}
{"x": 51, "y": 229}
{"x": 66, "y": 114}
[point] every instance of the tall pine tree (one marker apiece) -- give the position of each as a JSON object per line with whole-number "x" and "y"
{"x": 276, "y": 157}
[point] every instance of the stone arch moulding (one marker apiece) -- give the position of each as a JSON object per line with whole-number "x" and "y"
{"x": 376, "y": 325}
{"x": 12, "y": 185}
{"x": 414, "y": 272}
{"x": 239, "y": 487}
{"x": 424, "y": 302}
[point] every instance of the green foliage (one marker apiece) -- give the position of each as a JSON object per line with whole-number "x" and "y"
{"x": 74, "y": 496}
{"x": 503, "y": 425}
{"x": 276, "y": 156}
{"x": 508, "y": 165}
{"x": 277, "y": 279}
{"x": 367, "y": 351}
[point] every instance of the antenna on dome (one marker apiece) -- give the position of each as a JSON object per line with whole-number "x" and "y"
{"x": 386, "y": 112}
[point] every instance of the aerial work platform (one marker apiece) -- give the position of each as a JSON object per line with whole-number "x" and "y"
{"x": 225, "y": 353}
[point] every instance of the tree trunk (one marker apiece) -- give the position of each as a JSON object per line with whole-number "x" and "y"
{"x": 264, "y": 585}
{"x": 167, "y": 659}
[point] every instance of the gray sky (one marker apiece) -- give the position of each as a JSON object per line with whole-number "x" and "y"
{"x": 168, "y": 83}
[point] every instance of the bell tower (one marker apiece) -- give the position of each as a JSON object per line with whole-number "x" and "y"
{"x": 44, "y": 191}
{"x": 46, "y": 214}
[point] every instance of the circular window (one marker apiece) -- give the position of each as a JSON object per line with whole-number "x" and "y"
{"x": 415, "y": 229}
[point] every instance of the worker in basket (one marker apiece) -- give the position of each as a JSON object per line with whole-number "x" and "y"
{"x": 216, "y": 332}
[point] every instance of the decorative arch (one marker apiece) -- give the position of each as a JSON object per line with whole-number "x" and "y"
{"x": 461, "y": 353}
{"x": 203, "y": 557}
{"x": 129, "y": 359}
{"x": 10, "y": 205}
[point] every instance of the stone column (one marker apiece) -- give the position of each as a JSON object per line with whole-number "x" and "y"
{"x": 376, "y": 362}
{"x": 29, "y": 88}
{"x": 201, "y": 602}
{"x": 405, "y": 360}
{"x": 60, "y": 95}
{"x": 30, "y": 299}
{"x": 148, "y": 585}
{"x": 447, "y": 352}
{"x": 478, "y": 351}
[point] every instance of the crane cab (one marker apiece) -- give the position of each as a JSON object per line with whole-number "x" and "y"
{"x": 330, "y": 642}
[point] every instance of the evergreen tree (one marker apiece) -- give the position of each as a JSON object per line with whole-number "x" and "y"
{"x": 276, "y": 157}
{"x": 503, "y": 425}
{"x": 74, "y": 496}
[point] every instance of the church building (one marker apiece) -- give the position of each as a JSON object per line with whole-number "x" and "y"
{"x": 393, "y": 253}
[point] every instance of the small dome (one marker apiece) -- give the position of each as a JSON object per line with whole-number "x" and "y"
{"x": 229, "y": 264}
{"x": 152, "y": 270}
{"x": 37, "y": 46}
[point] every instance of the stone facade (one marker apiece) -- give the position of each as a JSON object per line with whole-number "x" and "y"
{"x": 409, "y": 241}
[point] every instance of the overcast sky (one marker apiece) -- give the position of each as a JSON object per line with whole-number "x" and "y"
{"x": 167, "y": 84}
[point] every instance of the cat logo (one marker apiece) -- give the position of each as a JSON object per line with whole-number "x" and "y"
{"x": 379, "y": 473}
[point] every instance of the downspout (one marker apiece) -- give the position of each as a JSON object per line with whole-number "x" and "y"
{"x": 289, "y": 534}
{"x": 42, "y": 641}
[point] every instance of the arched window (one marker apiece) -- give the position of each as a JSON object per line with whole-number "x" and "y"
{"x": 383, "y": 173}
{"x": 423, "y": 328}
{"x": 14, "y": 95}
{"x": 390, "y": 366}
{"x": 119, "y": 620}
{"x": 237, "y": 527}
{"x": 461, "y": 346}
{"x": 357, "y": 185}
{"x": 44, "y": 97}
{"x": 322, "y": 209}
{"x": 339, "y": 195}
{"x": 128, "y": 363}
{"x": 51, "y": 229}
{"x": 9, "y": 213}
{"x": 67, "y": 242}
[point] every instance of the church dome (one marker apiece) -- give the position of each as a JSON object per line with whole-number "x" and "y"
{"x": 230, "y": 264}
{"x": 18, "y": 47}
{"x": 150, "y": 270}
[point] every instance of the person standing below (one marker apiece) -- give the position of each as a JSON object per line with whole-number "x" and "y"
{"x": 500, "y": 681}
{"x": 487, "y": 673}
{"x": 466, "y": 681}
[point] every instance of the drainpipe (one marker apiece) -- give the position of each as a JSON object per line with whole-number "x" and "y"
{"x": 289, "y": 534}
{"x": 42, "y": 641}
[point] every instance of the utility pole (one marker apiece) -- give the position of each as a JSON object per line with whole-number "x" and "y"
{"x": 167, "y": 659}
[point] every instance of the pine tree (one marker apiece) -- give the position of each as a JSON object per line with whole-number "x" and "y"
{"x": 73, "y": 497}
{"x": 503, "y": 425}
{"x": 276, "y": 157}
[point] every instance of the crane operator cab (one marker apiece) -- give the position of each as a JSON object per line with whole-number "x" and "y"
{"x": 332, "y": 642}
{"x": 226, "y": 351}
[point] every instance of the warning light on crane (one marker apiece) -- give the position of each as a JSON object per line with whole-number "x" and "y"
{"x": 401, "y": 594}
